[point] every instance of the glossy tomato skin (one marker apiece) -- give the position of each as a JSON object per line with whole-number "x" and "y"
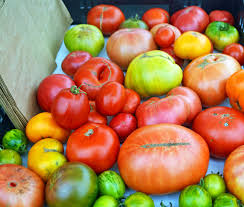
{"x": 166, "y": 157}
{"x": 191, "y": 18}
{"x": 20, "y": 187}
{"x": 236, "y": 51}
{"x": 74, "y": 60}
{"x": 94, "y": 116}
{"x": 164, "y": 37}
{"x": 96, "y": 72}
{"x": 132, "y": 101}
{"x": 123, "y": 124}
{"x": 70, "y": 110}
{"x": 96, "y": 145}
{"x": 170, "y": 51}
{"x": 50, "y": 87}
{"x": 221, "y": 16}
{"x": 106, "y": 17}
{"x": 155, "y": 16}
{"x": 110, "y": 99}
{"x": 222, "y": 128}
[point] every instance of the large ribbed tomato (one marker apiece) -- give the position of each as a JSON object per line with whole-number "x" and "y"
{"x": 163, "y": 158}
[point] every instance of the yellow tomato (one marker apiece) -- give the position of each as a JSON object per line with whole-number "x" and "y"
{"x": 45, "y": 157}
{"x": 191, "y": 45}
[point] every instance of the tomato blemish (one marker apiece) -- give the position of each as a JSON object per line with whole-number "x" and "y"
{"x": 12, "y": 184}
{"x": 165, "y": 145}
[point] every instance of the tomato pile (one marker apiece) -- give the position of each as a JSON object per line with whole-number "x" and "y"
{"x": 140, "y": 109}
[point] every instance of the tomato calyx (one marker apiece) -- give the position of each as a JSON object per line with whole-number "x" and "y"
{"x": 170, "y": 144}
{"x": 76, "y": 90}
{"x": 49, "y": 150}
{"x": 89, "y": 132}
{"x": 211, "y": 59}
{"x": 150, "y": 56}
{"x": 162, "y": 204}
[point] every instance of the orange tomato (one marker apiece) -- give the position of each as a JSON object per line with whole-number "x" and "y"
{"x": 43, "y": 126}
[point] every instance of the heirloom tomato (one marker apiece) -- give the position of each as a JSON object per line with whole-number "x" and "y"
{"x": 221, "y": 16}
{"x": 132, "y": 101}
{"x": 94, "y": 116}
{"x": 236, "y": 51}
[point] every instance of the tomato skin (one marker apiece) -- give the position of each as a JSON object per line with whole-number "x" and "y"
{"x": 110, "y": 99}
{"x": 94, "y": 116}
{"x": 170, "y": 51}
{"x": 222, "y": 128}
{"x": 236, "y": 51}
{"x": 95, "y": 145}
{"x": 155, "y": 16}
{"x": 164, "y": 37}
{"x": 20, "y": 187}
{"x": 123, "y": 124}
{"x": 221, "y": 16}
{"x": 139, "y": 199}
{"x": 106, "y": 18}
{"x": 132, "y": 101}
{"x": 70, "y": 110}
{"x": 50, "y": 87}
{"x": 74, "y": 60}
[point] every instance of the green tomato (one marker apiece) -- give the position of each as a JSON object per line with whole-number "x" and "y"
{"x": 222, "y": 34}
{"x": 9, "y": 156}
{"x": 84, "y": 37}
{"x": 214, "y": 184}
{"x": 107, "y": 201}
{"x": 139, "y": 199}
{"x": 195, "y": 196}
{"x": 134, "y": 23}
{"x": 226, "y": 200}
{"x": 16, "y": 140}
{"x": 153, "y": 73}
{"x": 110, "y": 183}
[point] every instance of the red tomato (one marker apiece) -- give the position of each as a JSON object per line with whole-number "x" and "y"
{"x": 221, "y": 16}
{"x": 164, "y": 37}
{"x": 106, "y": 17}
{"x": 222, "y": 128}
{"x": 236, "y": 51}
{"x": 155, "y": 16}
{"x": 96, "y": 145}
{"x": 163, "y": 158}
{"x": 94, "y": 116}
{"x": 20, "y": 187}
{"x": 191, "y": 18}
{"x": 170, "y": 51}
{"x": 132, "y": 101}
{"x": 110, "y": 99}
{"x": 50, "y": 87}
{"x": 70, "y": 108}
{"x": 123, "y": 124}
{"x": 74, "y": 60}
{"x": 96, "y": 72}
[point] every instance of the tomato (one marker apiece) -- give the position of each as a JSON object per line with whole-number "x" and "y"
{"x": 110, "y": 99}
{"x": 132, "y": 101}
{"x": 195, "y": 195}
{"x": 73, "y": 184}
{"x": 105, "y": 17}
{"x": 96, "y": 145}
{"x": 9, "y": 156}
{"x": 221, "y": 16}
{"x": 20, "y": 187}
{"x": 191, "y": 18}
{"x": 50, "y": 87}
{"x": 110, "y": 183}
{"x": 226, "y": 200}
{"x": 71, "y": 108}
{"x": 139, "y": 199}
{"x": 94, "y": 116}
{"x": 73, "y": 61}
{"x": 234, "y": 173}
{"x": 42, "y": 126}
{"x": 92, "y": 75}
{"x": 236, "y": 51}
{"x": 166, "y": 157}
{"x": 107, "y": 201}
{"x": 123, "y": 124}
{"x": 134, "y": 22}
{"x": 207, "y": 76}
{"x": 164, "y": 37}
{"x": 155, "y": 16}
{"x": 125, "y": 44}
{"x": 170, "y": 51}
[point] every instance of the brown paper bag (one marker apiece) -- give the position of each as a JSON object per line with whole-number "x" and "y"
{"x": 31, "y": 34}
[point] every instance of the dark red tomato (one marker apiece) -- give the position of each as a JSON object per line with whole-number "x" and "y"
{"x": 106, "y": 17}
{"x": 50, "y": 87}
{"x": 70, "y": 108}
{"x": 155, "y": 16}
{"x": 170, "y": 51}
{"x": 164, "y": 37}
{"x": 74, "y": 60}
{"x": 110, "y": 99}
{"x": 132, "y": 101}
{"x": 123, "y": 124}
{"x": 96, "y": 145}
{"x": 94, "y": 116}
{"x": 221, "y": 16}
{"x": 236, "y": 51}
{"x": 222, "y": 128}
